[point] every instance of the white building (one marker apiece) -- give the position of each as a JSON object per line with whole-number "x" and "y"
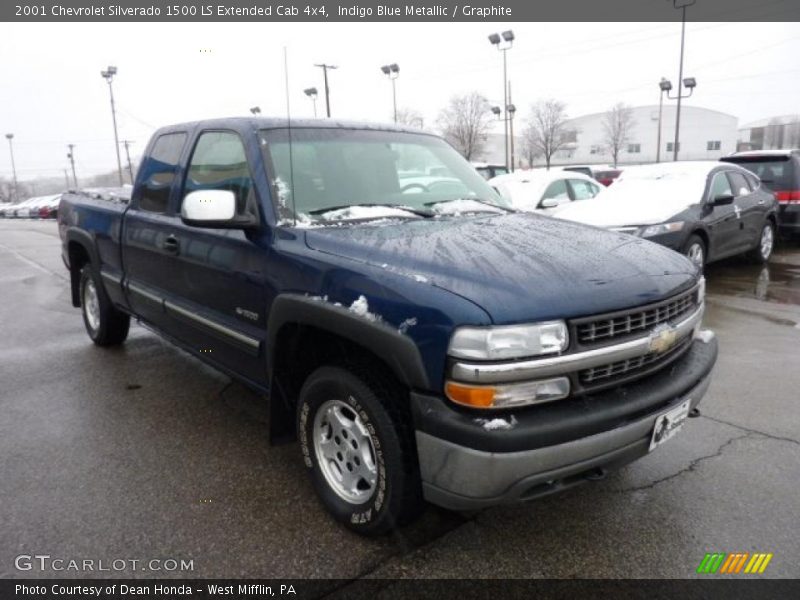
{"x": 773, "y": 133}
{"x": 705, "y": 135}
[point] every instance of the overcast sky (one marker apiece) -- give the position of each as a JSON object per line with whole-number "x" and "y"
{"x": 52, "y": 93}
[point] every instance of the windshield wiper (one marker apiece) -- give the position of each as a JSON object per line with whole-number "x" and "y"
{"x": 478, "y": 200}
{"x": 408, "y": 209}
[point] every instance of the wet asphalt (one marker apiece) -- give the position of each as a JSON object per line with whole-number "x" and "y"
{"x": 142, "y": 453}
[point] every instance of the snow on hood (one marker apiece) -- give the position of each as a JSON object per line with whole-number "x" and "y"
{"x": 642, "y": 196}
{"x": 366, "y": 212}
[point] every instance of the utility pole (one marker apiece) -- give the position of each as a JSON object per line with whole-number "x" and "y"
{"x": 325, "y": 68}
{"x": 128, "y": 155}
{"x": 71, "y": 157}
{"x": 10, "y": 137}
{"x": 66, "y": 179}
{"x": 682, "y": 5}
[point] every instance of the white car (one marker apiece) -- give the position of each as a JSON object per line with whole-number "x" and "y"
{"x": 545, "y": 191}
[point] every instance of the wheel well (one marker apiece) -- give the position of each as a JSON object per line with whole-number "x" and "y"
{"x": 299, "y": 350}
{"x": 704, "y": 237}
{"x": 78, "y": 257}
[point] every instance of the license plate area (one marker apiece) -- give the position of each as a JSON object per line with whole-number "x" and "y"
{"x": 669, "y": 423}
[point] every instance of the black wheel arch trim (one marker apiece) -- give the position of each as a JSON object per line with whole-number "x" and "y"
{"x": 395, "y": 349}
{"x": 85, "y": 241}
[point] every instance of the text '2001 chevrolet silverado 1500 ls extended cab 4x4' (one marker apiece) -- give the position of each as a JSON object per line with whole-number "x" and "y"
{"x": 422, "y": 340}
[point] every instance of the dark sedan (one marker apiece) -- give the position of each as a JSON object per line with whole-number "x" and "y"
{"x": 705, "y": 210}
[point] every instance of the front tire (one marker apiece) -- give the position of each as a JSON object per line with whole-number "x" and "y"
{"x": 356, "y": 438}
{"x": 766, "y": 244}
{"x": 695, "y": 250}
{"x": 105, "y": 325}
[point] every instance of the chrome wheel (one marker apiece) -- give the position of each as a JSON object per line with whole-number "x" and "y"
{"x": 767, "y": 241}
{"x": 696, "y": 254}
{"x": 91, "y": 305}
{"x": 345, "y": 452}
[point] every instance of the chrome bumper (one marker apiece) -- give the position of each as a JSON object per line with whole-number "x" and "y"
{"x": 487, "y": 373}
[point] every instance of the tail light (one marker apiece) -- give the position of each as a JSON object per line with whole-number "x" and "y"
{"x": 788, "y": 196}
{"x": 44, "y": 212}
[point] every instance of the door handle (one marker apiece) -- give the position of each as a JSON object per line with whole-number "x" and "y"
{"x": 762, "y": 202}
{"x": 171, "y": 245}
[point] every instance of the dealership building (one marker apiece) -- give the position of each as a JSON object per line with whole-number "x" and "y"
{"x": 705, "y": 135}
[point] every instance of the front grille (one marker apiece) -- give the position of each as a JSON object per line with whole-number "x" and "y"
{"x": 632, "y": 367}
{"x": 619, "y": 324}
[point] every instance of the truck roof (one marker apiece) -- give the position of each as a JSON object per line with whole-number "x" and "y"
{"x": 282, "y": 122}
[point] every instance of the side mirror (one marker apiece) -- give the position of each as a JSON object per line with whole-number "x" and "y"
{"x": 214, "y": 209}
{"x": 548, "y": 203}
{"x": 722, "y": 200}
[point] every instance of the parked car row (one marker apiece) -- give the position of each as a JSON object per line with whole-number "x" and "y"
{"x": 705, "y": 210}
{"x": 39, "y": 207}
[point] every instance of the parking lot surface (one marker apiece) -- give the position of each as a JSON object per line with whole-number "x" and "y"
{"x": 143, "y": 453}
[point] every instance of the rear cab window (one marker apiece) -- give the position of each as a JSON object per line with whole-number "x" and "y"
{"x": 158, "y": 172}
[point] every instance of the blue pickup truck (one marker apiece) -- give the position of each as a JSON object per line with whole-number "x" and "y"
{"x": 421, "y": 339}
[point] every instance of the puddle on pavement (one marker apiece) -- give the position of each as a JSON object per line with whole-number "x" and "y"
{"x": 778, "y": 281}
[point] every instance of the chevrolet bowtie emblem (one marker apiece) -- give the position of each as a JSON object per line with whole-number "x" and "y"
{"x": 663, "y": 338}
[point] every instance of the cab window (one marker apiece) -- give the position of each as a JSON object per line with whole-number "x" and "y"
{"x": 582, "y": 189}
{"x": 739, "y": 184}
{"x": 158, "y": 172}
{"x": 557, "y": 191}
{"x": 219, "y": 162}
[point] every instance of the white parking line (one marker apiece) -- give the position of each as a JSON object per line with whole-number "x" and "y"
{"x": 28, "y": 261}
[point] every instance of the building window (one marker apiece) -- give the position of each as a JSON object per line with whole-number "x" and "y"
{"x": 713, "y": 145}
{"x": 596, "y": 149}
{"x": 671, "y": 147}
{"x": 634, "y": 148}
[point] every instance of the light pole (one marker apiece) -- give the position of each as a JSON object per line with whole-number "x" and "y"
{"x": 682, "y": 5}
{"x": 511, "y": 111}
{"x": 71, "y": 157}
{"x": 325, "y": 68}
{"x": 689, "y": 83}
{"x": 10, "y": 137}
{"x": 128, "y": 156}
{"x": 392, "y": 71}
{"x": 108, "y": 75}
{"x": 665, "y": 85}
{"x": 312, "y": 93}
{"x": 255, "y": 111}
{"x": 503, "y": 42}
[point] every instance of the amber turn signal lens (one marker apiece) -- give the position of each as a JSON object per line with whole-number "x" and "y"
{"x": 478, "y": 397}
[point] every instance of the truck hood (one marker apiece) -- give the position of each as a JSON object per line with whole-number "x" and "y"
{"x": 518, "y": 267}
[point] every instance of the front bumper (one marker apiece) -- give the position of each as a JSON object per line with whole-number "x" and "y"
{"x": 550, "y": 447}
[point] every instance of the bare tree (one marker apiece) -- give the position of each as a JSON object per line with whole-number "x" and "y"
{"x": 410, "y": 117}
{"x": 547, "y": 130}
{"x": 617, "y": 126}
{"x": 465, "y": 122}
{"x": 773, "y": 134}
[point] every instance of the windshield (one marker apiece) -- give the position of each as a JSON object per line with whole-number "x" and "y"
{"x": 349, "y": 174}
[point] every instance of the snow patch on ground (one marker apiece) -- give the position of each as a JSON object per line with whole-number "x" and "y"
{"x": 360, "y": 306}
{"x": 497, "y": 424}
{"x": 407, "y": 324}
{"x": 704, "y": 335}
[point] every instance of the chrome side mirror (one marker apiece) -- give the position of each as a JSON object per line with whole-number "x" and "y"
{"x": 214, "y": 209}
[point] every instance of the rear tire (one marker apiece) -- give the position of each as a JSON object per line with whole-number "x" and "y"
{"x": 766, "y": 244}
{"x": 357, "y": 441}
{"x": 105, "y": 325}
{"x": 696, "y": 251}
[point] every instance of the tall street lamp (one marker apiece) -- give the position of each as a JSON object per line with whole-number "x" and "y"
{"x": 511, "y": 111}
{"x": 503, "y": 42}
{"x": 312, "y": 93}
{"x": 682, "y": 5}
{"x": 108, "y": 75}
{"x": 392, "y": 72}
{"x": 255, "y": 111}
{"x": 10, "y": 137}
{"x": 665, "y": 85}
{"x": 689, "y": 83}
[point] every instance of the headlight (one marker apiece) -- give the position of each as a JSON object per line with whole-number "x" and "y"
{"x": 661, "y": 228}
{"x": 513, "y": 341}
{"x": 508, "y": 395}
